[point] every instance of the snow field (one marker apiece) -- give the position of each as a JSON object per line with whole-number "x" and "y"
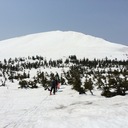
{"x": 35, "y": 108}
{"x": 56, "y": 44}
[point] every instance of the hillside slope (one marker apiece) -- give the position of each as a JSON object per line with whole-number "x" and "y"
{"x": 56, "y": 44}
{"x": 36, "y": 108}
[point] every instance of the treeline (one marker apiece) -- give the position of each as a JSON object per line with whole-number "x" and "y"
{"x": 85, "y": 79}
{"x": 19, "y": 69}
{"x": 110, "y": 76}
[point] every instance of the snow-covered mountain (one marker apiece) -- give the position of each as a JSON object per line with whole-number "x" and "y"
{"x": 36, "y": 108}
{"x": 57, "y": 44}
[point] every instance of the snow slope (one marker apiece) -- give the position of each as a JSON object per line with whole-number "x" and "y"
{"x": 34, "y": 108}
{"x": 67, "y": 109}
{"x": 56, "y": 44}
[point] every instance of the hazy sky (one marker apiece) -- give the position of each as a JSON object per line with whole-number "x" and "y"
{"x": 106, "y": 19}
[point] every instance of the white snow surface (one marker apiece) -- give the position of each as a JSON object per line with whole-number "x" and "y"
{"x": 57, "y": 44}
{"x": 35, "y": 108}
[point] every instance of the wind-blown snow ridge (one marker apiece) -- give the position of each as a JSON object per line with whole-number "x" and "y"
{"x": 56, "y": 44}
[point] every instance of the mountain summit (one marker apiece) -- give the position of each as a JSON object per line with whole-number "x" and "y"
{"x": 57, "y": 44}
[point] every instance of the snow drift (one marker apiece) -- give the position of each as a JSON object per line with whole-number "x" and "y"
{"x": 57, "y": 44}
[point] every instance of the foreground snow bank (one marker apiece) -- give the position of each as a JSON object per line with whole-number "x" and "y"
{"x": 67, "y": 109}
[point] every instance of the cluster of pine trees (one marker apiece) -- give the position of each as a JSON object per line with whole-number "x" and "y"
{"x": 110, "y": 76}
{"x": 19, "y": 69}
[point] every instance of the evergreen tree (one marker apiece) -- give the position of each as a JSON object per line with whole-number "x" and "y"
{"x": 88, "y": 85}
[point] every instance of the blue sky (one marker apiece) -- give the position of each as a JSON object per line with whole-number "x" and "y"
{"x": 107, "y": 19}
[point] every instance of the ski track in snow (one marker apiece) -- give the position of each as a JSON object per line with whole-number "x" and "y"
{"x": 28, "y": 115}
{"x": 67, "y": 109}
